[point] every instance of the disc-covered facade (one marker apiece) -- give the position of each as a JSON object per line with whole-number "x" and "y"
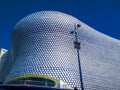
{"x": 44, "y": 53}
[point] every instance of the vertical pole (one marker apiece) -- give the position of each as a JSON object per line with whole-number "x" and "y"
{"x": 80, "y": 70}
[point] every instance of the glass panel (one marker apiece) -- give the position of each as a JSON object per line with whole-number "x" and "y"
{"x": 34, "y": 81}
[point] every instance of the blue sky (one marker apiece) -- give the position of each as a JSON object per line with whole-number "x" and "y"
{"x": 102, "y": 15}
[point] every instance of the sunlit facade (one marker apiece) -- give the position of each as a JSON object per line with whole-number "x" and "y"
{"x": 2, "y": 52}
{"x": 44, "y": 52}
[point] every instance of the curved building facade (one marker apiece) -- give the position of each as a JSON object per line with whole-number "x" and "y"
{"x": 50, "y": 48}
{"x": 44, "y": 47}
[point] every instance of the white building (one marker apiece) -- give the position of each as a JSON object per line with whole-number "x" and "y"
{"x": 2, "y": 52}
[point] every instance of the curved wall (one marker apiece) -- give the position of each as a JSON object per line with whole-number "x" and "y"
{"x": 43, "y": 44}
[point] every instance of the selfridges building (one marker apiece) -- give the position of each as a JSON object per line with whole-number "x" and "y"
{"x": 53, "y": 49}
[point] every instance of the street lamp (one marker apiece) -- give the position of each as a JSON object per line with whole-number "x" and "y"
{"x": 77, "y": 46}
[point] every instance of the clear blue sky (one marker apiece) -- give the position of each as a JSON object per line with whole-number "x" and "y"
{"x": 103, "y": 15}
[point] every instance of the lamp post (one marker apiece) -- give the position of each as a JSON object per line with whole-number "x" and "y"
{"x": 77, "y": 46}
